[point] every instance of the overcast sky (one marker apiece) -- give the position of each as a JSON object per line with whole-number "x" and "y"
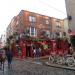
{"x": 10, "y": 8}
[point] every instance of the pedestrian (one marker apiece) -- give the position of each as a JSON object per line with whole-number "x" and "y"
{"x": 37, "y": 52}
{"x": 2, "y": 58}
{"x": 34, "y": 52}
{"x": 9, "y": 56}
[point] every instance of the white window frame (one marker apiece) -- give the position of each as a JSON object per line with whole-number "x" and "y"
{"x": 58, "y": 24}
{"x": 48, "y": 33}
{"x": 32, "y": 19}
{"x": 47, "y": 21}
{"x": 34, "y": 31}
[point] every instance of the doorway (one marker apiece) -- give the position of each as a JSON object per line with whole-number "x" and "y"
{"x": 28, "y": 51}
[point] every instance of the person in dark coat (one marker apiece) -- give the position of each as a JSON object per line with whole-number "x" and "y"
{"x": 0, "y": 58}
{"x": 9, "y": 56}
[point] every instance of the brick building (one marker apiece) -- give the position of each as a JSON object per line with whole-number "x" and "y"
{"x": 35, "y": 25}
{"x": 11, "y": 29}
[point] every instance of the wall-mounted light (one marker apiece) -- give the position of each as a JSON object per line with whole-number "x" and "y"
{"x": 69, "y": 17}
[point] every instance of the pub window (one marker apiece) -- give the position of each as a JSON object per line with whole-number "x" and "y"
{"x": 32, "y": 31}
{"x": 32, "y": 19}
{"x": 58, "y": 25}
{"x": 47, "y": 21}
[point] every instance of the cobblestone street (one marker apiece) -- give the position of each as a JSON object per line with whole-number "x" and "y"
{"x": 29, "y": 67}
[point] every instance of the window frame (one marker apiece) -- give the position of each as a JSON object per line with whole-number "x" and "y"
{"x": 34, "y": 33}
{"x": 32, "y": 18}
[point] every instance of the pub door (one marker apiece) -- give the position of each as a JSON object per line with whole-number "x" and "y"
{"x": 28, "y": 51}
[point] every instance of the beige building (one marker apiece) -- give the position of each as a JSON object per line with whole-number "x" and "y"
{"x": 70, "y": 7}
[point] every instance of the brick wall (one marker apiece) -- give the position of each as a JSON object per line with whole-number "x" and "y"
{"x": 42, "y": 23}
